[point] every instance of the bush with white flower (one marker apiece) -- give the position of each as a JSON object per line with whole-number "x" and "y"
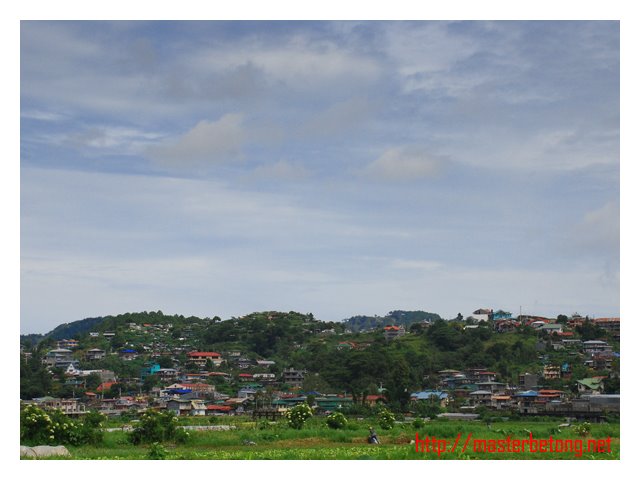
{"x": 386, "y": 419}
{"x": 336, "y": 420}
{"x": 297, "y": 415}
{"x": 40, "y": 427}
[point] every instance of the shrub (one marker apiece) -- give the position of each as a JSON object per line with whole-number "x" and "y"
{"x": 157, "y": 427}
{"x": 54, "y": 427}
{"x": 336, "y": 420}
{"x": 418, "y": 423}
{"x": 386, "y": 419}
{"x": 156, "y": 452}
{"x": 582, "y": 429}
{"x": 297, "y": 415}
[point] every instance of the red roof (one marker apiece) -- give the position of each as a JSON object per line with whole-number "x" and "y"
{"x": 245, "y": 375}
{"x": 392, "y": 327}
{"x": 375, "y": 397}
{"x": 105, "y": 386}
{"x": 219, "y": 408}
{"x": 203, "y": 354}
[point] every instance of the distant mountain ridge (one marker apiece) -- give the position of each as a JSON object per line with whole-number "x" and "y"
{"x": 356, "y": 323}
{"x": 66, "y": 330}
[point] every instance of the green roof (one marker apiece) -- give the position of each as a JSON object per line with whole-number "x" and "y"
{"x": 593, "y": 383}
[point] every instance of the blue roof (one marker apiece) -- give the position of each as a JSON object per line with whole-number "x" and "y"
{"x": 528, "y": 393}
{"x": 180, "y": 391}
{"x": 427, "y": 394}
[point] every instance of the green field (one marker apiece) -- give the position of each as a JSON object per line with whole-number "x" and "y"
{"x": 276, "y": 441}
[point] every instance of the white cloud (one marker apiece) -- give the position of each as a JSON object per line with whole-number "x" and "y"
{"x": 281, "y": 170}
{"x": 405, "y": 163}
{"x": 301, "y": 64}
{"x": 598, "y": 232}
{"x": 209, "y": 142}
{"x": 424, "y": 265}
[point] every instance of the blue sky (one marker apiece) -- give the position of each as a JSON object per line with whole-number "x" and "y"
{"x": 339, "y": 168}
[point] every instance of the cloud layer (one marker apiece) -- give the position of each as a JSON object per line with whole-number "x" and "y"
{"x": 337, "y": 167}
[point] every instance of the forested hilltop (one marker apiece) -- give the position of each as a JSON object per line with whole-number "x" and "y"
{"x": 336, "y": 357}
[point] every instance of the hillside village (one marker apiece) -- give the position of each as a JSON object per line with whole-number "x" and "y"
{"x": 489, "y": 362}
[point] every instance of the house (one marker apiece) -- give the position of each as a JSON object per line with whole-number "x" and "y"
{"x": 167, "y": 374}
{"x": 493, "y": 387}
{"x": 128, "y": 354}
{"x": 527, "y": 381}
{"x": 480, "y": 375}
{"x": 238, "y": 405}
{"x": 199, "y": 387}
{"x": 482, "y": 314}
{"x": 501, "y": 402}
{"x": 526, "y": 401}
{"x": 264, "y": 377}
{"x": 501, "y": 315}
{"x": 600, "y": 361}
{"x": 60, "y": 358}
{"x": 480, "y": 397}
{"x": 373, "y": 400}
{"x": 105, "y": 386}
{"x": 551, "y": 372}
{"x": 437, "y": 396}
{"x": 149, "y": 369}
{"x": 95, "y": 354}
{"x": 218, "y": 410}
{"x": 247, "y": 392}
{"x": 575, "y": 321}
{"x": 244, "y": 363}
{"x": 245, "y": 377}
{"x": 392, "y": 332}
{"x": 331, "y": 403}
{"x": 184, "y": 408}
{"x": 592, "y": 347}
{"x": 69, "y": 344}
{"x": 201, "y": 358}
{"x": 506, "y": 326}
{"x": 551, "y": 328}
{"x": 591, "y": 386}
{"x": 611, "y": 325}
{"x": 547, "y": 395}
{"x": 293, "y": 377}
{"x": 265, "y": 363}
{"x": 68, "y": 406}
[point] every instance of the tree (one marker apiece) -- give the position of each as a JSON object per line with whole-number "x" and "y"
{"x": 92, "y": 381}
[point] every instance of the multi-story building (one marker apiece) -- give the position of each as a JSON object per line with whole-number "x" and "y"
{"x": 293, "y": 377}
{"x": 201, "y": 358}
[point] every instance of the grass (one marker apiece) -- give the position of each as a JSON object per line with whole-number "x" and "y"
{"x": 316, "y": 441}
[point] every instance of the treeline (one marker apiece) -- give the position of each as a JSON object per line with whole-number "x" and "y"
{"x": 403, "y": 318}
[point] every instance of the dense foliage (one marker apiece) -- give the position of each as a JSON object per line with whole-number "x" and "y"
{"x": 39, "y": 427}
{"x": 157, "y": 427}
{"x": 336, "y": 421}
{"x": 336, "y": 361}
{"x": 298, "y": 415}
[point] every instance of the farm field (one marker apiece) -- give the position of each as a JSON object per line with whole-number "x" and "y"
{"x": 315, "y": 441}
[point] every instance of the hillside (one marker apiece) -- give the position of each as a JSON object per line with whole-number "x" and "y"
{"x": 403, "y": 318}
{"x": 333, "y": 356}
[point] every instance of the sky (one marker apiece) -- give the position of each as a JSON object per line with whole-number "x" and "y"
{"x": 339, "y": 168}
